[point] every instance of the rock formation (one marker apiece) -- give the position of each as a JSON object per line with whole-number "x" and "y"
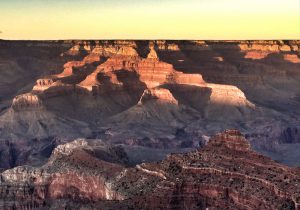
{"x": 224, "y": 174}
{"x": 158, "y": 93}
{"x": 26, "y": 101}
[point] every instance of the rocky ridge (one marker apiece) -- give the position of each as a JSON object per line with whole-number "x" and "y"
{"x": 224, "y": 174}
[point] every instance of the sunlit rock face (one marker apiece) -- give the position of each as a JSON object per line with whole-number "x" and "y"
{"x": 229, "y": 95}
{"x": 26, "y": 101}
{"x": 160, "y": 94}
{"x": 292, "y": 58}
{"x": 87, "y": 174}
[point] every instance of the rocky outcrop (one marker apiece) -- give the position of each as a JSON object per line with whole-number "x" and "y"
{"x": 294, "y": 58}
{"x": 67, "y": 149}
{"x": 232, "y": 139}
{"x": 26, "y": 101}
{"x": 228, "y": 95}
{"x": 152, "y": 54}
{"x": 43, "y": 84}
{"x": 224, "y": 174}
{"x": 158, "y": 94}
{"x": 30, "y": 188}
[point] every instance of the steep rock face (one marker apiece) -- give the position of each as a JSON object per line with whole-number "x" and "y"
{"x": 290, "y": 135}
{"x": 224, "y": 174}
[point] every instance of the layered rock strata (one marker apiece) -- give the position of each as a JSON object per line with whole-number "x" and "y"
{"x": 224, "y": 174}
{"x": 26, "y": 101}
{"x": 151, "y": 93}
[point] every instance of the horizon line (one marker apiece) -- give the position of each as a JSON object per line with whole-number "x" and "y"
{"x": 159, "y": 39}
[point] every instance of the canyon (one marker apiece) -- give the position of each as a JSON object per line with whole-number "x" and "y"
{"x": 134, "y": 124}
{"x": 155, "y": 94}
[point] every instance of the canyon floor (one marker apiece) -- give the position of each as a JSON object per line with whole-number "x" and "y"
{"x": 125, "y": 106}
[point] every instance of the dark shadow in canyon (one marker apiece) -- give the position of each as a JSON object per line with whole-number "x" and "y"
{"x": 104, "y": 101}
{"x": 190, "y": 95}
{"x": 142, "y": 48}
{"x": 23, "y": 62}
{"x": 80, "y": 73}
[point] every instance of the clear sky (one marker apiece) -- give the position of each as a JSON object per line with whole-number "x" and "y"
{"x": 150, "y": 19}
